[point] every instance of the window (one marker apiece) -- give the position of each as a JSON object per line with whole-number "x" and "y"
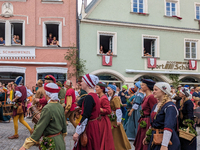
{"x": 191, "y": 49}
{"x": 2, "y": 33}
{"x": 58, "y": 76}
{"x": 198, "y": 12}
{"x": 52, "y": 34}
{"x": 150, "y": 46}
{"x": 16, "y": 33}
{"x": 171, "y": 9}
{"x": 138, "y": 6}
{"x": 107, "y": 42}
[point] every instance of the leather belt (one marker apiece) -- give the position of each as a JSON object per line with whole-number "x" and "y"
{"x": 50, "y": 136}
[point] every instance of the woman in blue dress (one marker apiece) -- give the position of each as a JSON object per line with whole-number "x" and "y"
{"x": 134, "y": 114}
{"x": 164, "y": 117}
{"x": 2, "y": 101}
{"x": 186, "y": 112}
{"x": 129, "y": 104}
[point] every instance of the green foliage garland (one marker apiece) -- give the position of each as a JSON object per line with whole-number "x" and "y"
{"x": 148, "y": 135}
{"x": 175, "y": 80}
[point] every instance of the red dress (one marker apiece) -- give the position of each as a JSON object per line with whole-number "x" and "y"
{"x": 147, "y": 106}
{"x": 71, "y": 92}
{"x": 91, "y": 108}
{"x": 106, "y": 137}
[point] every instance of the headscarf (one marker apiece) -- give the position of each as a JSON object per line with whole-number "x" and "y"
{"x": 150, "y": 83}
{"x": 52, "y": 91}
{"x": 90, "y": 80}
{"x": 113, "y": 87}
{"x": 132, "y": 90}
{"x": 138, "y": 84}
{"x": 165, "y": 87}
{"x": 103, "y": 86}
{"x": 186, "y": 92}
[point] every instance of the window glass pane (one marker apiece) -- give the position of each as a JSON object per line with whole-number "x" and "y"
{"x": 187, "y": 50}
{"x": 173, "y": 5}
{"x": 141, "y": 10}
{"x": 187, "y": 44}
{"x": 193, "y": 55}
{"x": 141, "y": 6}
{"x": 140, "y": 1}
{"x": 197, "y": 8}
{"x": 187, "y": 55}
{"x": 194, "y": 45}
{"x": 135, "y": 1}
{"x": 167, "y": 4}
{"x": 135, "y": 10}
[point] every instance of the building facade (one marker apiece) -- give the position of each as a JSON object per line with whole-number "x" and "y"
{"x": 148, "y": 39}
{"x": 26, "y": 47}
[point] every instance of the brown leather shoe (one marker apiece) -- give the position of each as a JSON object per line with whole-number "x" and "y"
{"x": 13, "y": 137}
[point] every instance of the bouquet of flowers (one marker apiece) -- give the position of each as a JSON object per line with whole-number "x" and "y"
{"x": 112, "y": 116}
{"x": 47, "y": 143}
{"x": 15, "y": 106}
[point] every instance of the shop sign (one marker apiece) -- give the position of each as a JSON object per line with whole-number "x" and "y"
{"x": 17, "y": 52}
{"x": 172, "y": 65}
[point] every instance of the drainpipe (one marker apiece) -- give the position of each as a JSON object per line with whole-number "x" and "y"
{"x": 77, "y": 31}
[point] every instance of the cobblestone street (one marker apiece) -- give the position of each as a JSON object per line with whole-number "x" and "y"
{"x": 6, "y": 130}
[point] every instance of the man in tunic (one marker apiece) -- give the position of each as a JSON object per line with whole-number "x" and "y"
{"x": 20, "y": 97}
{"x": 52, "y": 121}
{"x": 70, "y": 100}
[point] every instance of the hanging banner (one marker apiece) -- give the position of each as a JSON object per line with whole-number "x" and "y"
{"x": 151, "y": 62}
{"x": 106, "y": 60}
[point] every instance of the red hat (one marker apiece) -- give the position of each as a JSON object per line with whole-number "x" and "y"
{"x": 51, "y": 87}
{"x": 90, "y": 80}
{"x": 50, "y": 77}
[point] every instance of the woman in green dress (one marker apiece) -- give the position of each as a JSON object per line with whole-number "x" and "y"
{"x": 52, "y": 124}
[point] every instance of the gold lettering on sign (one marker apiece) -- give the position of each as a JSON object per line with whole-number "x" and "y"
{"x": 173, "y": 65}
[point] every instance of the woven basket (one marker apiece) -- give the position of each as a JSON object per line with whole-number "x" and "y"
{"x": 186, "y": 135}
{"x": 7, "y": 109}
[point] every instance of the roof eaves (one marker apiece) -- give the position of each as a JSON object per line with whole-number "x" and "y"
{"x": 91, "y": 5}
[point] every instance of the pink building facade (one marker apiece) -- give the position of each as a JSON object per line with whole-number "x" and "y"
{"x": 25, "y": 26}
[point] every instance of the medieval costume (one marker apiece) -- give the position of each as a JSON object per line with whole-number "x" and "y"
{"x": 90, "y": 113}
{"x": 132, "y": 123}
{"x": 120, "y": 139}
{"x": 52, "y": 122}
{"x": 2, "y": 102}
{"x": 164, "y": 118}
{"x": 128, "y": 107}
{"x": 20, "y": 98}
{"x": 147, "y": 105}
{"x": 186, "y": 112}
{"x": 70, "y": 100}
{"x": 106, "y": 137}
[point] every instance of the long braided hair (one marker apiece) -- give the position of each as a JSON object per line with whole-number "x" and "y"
{"x": 165, "y": 99}
{"x": 182, "y": 104}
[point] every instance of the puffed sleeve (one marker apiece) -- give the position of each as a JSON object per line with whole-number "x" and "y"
{"x": 41, "y": 125}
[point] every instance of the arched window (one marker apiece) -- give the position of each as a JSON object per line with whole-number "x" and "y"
{"x": 110, "y": 79}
